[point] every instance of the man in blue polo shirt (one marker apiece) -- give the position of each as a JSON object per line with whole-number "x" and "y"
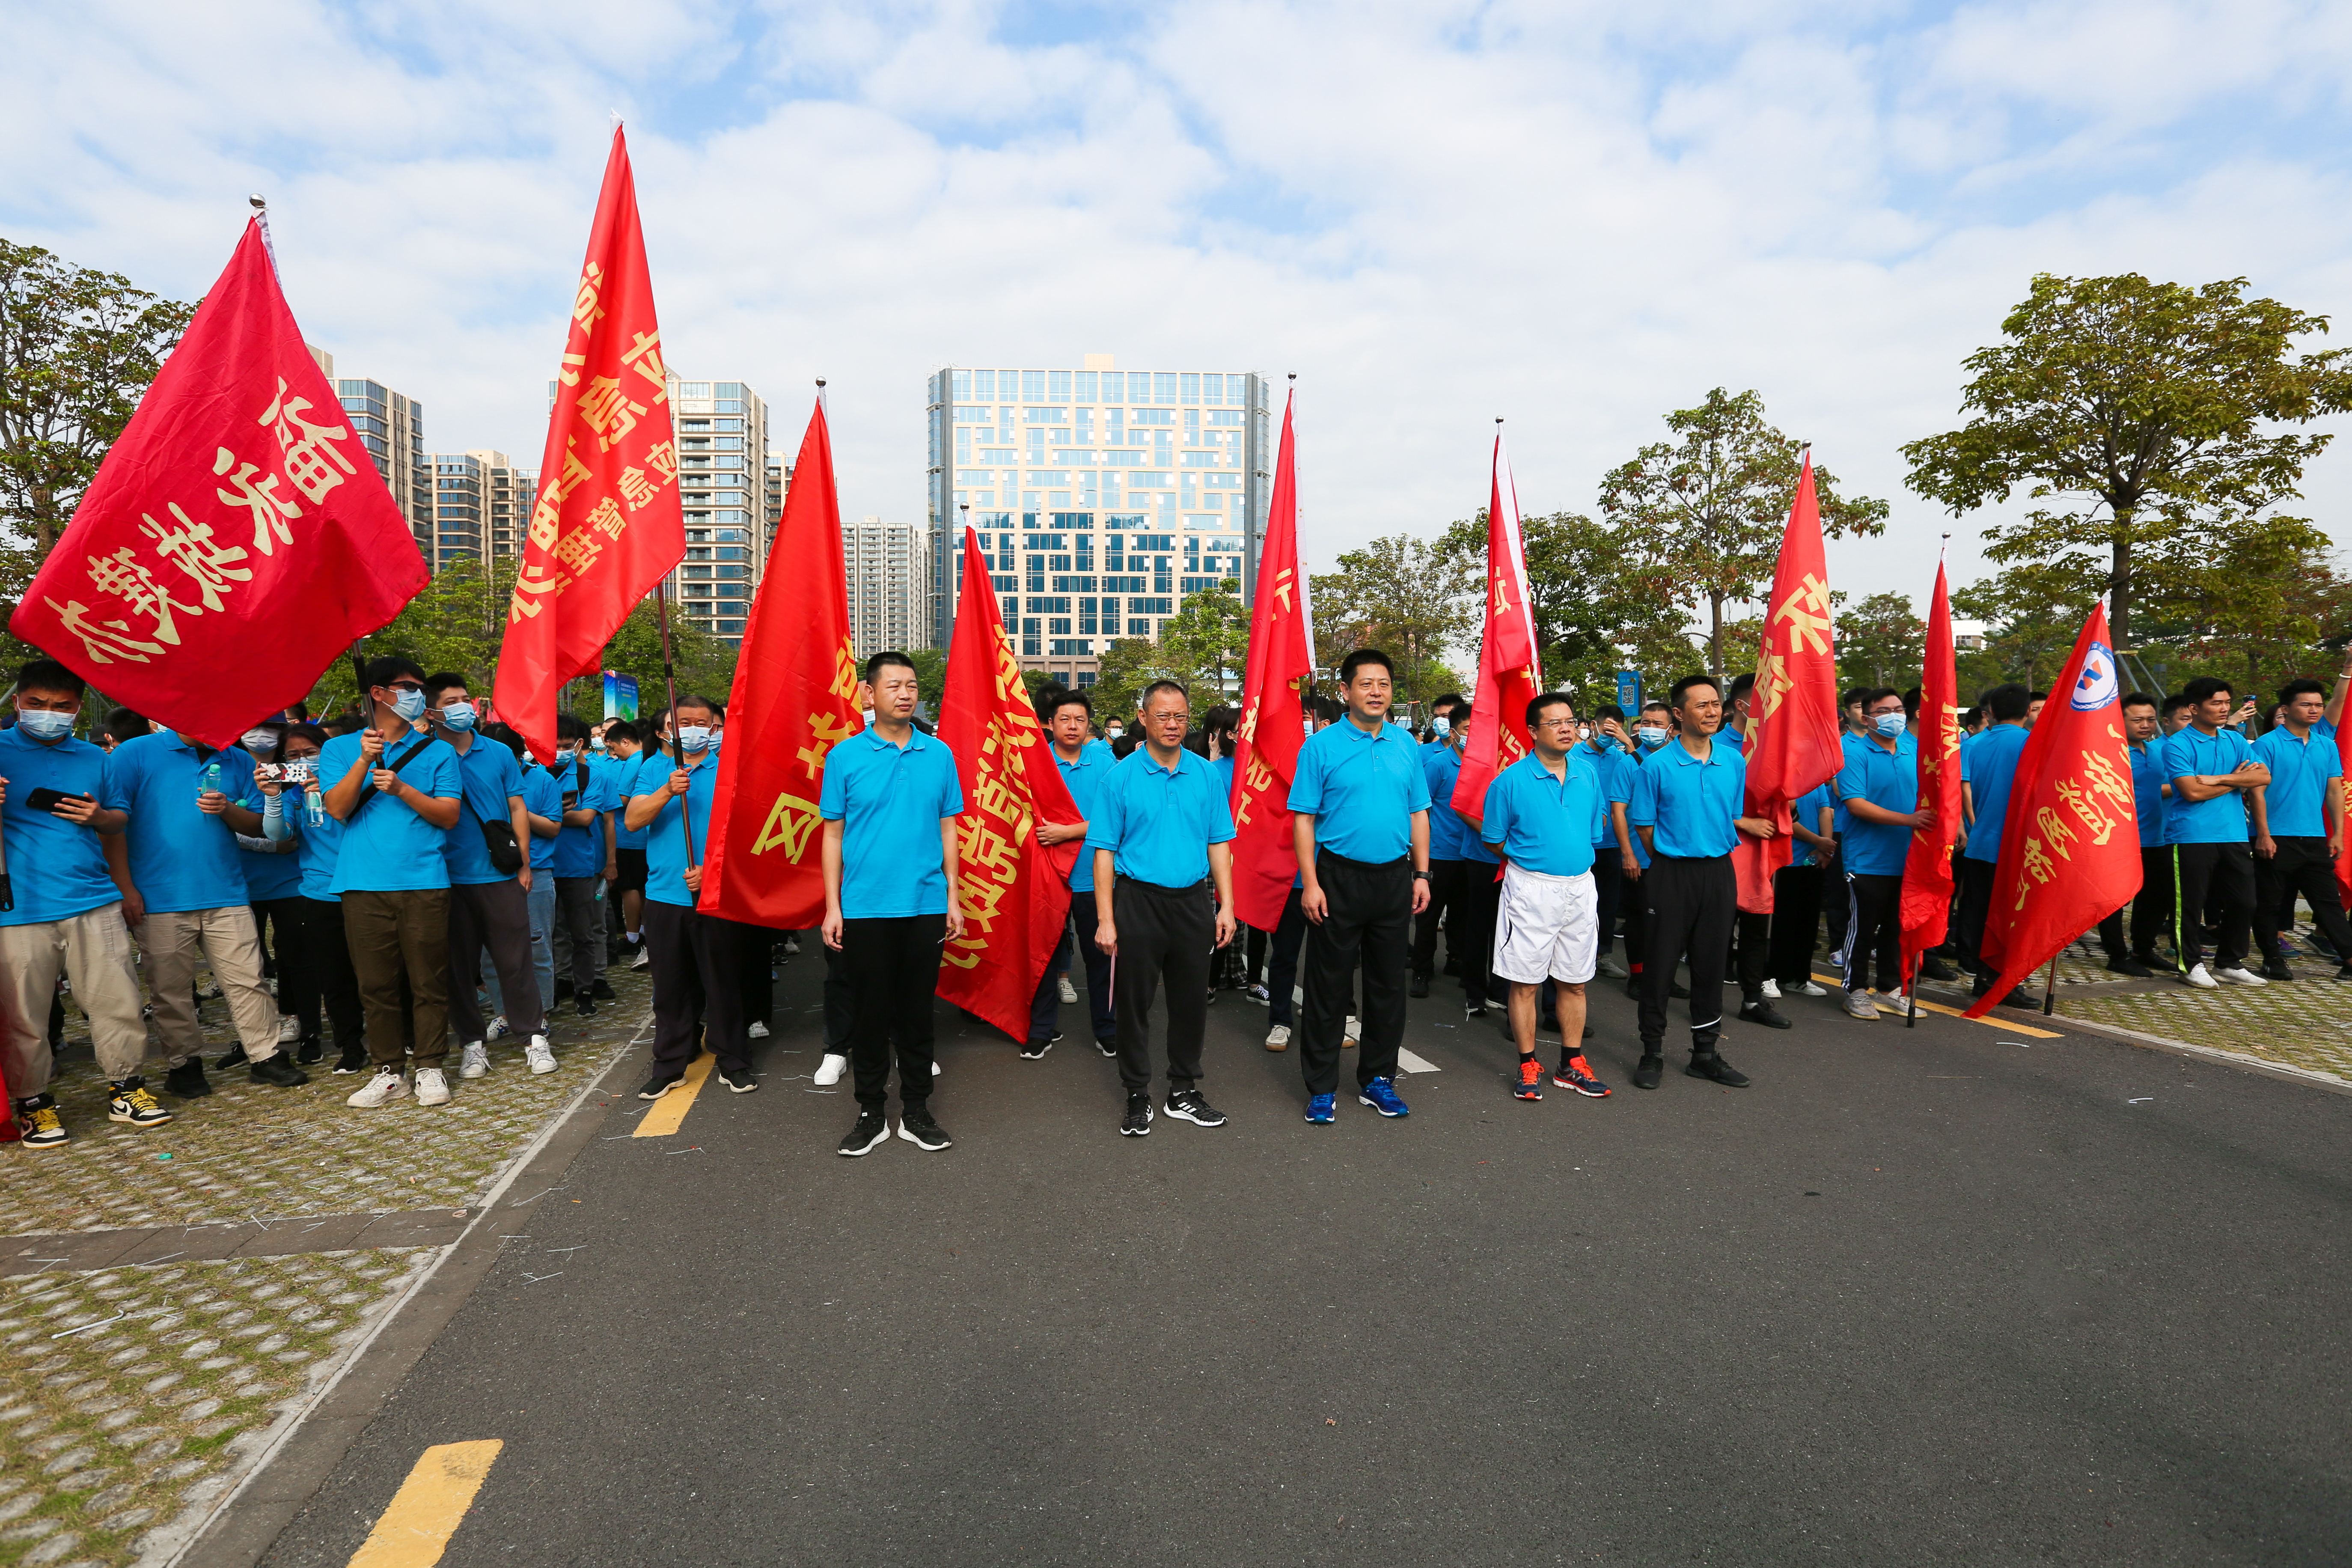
{"x": 1987, "y": 772}
{"x": 1158, "y": 833}
{"x": 1880, "y": 785}
{"x": 2151, "y": 794}
{"x": 1461, "y": 879}
{"x": 889, "y": 801}
{"x": 1361, "y": 827}
{"x": 1686, "y": 806}
{"x": 73, "y": 891}
{"x": 1083, "y": 763}
{"x": 2212, "y": 771}
{"x": 2298, "y": 826}
{"x": 1543, "y": 815}
{"x": 185, "y": 810}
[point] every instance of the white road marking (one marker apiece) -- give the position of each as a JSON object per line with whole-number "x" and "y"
{"x": 1411, "y": 1063}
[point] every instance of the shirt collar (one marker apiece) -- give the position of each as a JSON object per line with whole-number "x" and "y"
{"x": 915, "y": 741}
{"x": 1184, "y": 760}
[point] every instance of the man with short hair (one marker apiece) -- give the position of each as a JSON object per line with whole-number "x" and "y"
{"x": 69, "y": 871}
{"x": 1359, "y": 804}
{"x": 1734, "y": 732}
{"x": 1158, "y": 830}
{"x": 2152, "y": 906}
{"x": 1653, "y": 730}
{"x": 1879, "y": 783}
{"x": 891, "y": 900}
{"x": 1461, "y": 879}
{"x": 1986, "y": 775}
{"x": 2211, "y": 770}
{"x": 2173, "y": 715}
{"x": 1083, "y": 763}
{"x": 1446, "y": 714}
{"x": 583, "y": 852}
{"x": 1544, "y": 814}
{"x": 2298, "y": 826}
{"x": 1608, "y": 748}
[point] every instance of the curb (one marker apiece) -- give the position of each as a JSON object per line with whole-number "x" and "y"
{"x": 2306, "y": 1077}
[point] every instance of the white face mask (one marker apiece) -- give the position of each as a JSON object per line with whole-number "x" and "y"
{"x": 695, "y": 737}
{"x": 1889, "y": 725}
{"x": 260, "y": 740}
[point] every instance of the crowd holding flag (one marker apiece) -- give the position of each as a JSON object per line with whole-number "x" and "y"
{"x": 1274, "y": 714}
{"x": 1508, "y": 673}
{"x": 1927, "y": 870}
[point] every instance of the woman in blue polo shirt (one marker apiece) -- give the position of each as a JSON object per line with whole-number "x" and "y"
{"x": 300, "y": 816}
{"x": 1880, "y": 786}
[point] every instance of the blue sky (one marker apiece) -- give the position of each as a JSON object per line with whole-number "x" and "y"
{"x": 1581, "y": 216}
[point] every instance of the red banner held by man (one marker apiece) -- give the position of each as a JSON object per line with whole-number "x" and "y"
{"x": 1014, "y": 890}
{"x": 237, "y": 524}
{"x": 1795, "y": 730}
{"x": 795, "y": 698}
{"x": 1508, "y": 675}
{"x": 1927, "y": 867}
{"x": 2070, "y": 844}
{"x": 1274, "y": 715}
{"x": 606, "y": 525}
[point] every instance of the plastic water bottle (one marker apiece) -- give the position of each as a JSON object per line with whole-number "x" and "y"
{"x": 314, "y": 807}
{"x": 208, "y": 781}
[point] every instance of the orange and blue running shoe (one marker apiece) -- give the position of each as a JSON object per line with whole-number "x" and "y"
{"x": 1575, "y": 1073}
{"x": 1530, "y": 1080}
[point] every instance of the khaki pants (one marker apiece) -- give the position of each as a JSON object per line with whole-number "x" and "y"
{"x": 232, "y": 945}
{"x": 393, "y": 934}
{"x": 93, "y": 949}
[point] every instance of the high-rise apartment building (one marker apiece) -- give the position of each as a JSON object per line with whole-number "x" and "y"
{"x": 1100, "y": 497}
{"x": 392, "y": 427}
{"x": 889, "y": 568}
{"x": 481, "y": 502}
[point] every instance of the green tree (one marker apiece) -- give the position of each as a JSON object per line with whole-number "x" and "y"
{"x": 2030, "y": 620}
{"x": 931, "y": 674}
{"x": 1127, "y": 666}
{"x": 2139, "y": 417}
{"x": 1409, "y": 597}
{"x": 1709, "y": 508}
{"x": 1208, "y": 640}
{"x": 1880, "y": 642}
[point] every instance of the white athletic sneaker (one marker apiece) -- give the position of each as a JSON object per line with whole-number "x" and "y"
{"x": 935, "y": 1068}
{"x": 1807, "y": 989}
{"x": 500, "y": 1029}
{"x": 643, "y": 958}
{"x": 791, "y": 947}
{"x": 1610, "y": 967}
{"x": 2203, "y": 981}
{"x": 758, "y": 1030}
{"x": 541, "y": 1059}
{"x": 1771, "y": 990}
{"x": 1893, "y": 1002}
{"x": 381, "y": 1089}
{"x": 2243, "y": 977}
{"x": 829, "y": 1070}
{"x": 1278, "y": 1038}
{"x": 432, "y": 1088}
{"x": 1355, "y": 1032}
{"x": 1069, "y": 992}
{"x": 1858, "y": 1004}
{"x": 289, "y": 1029}
{"x": 475, "y": 1060}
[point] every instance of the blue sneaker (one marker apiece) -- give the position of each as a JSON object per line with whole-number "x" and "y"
{"x": 1382, "y": 1096}
{"x": 1319, "y": 1109}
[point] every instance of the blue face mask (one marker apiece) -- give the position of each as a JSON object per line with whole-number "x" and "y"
{"x": 694, "y": 738}
{"x": 564, "y": 759}
{"x": 408, "y": 706}
{"x": 458, "y": 716}
{"x": 1651, "y": 737}
{"x": 1441, "y": 726}
{"x": 1889, "y": 725}
{"x": 43, "y": 725}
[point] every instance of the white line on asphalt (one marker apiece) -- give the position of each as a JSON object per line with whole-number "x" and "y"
{"x": 1411, "y": 1063}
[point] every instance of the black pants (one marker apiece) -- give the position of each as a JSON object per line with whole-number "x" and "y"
{"x": 319, "y": 924}
{"x": 1608, "y": 884}
{"x": 755, "y": 965}
{"x": 276, "y": 923}
{"x": 1835, "y": 906}
{"x": 1163, "y": 932}
{"x": 1975, "y": 904}
{"x": 1874, "y": 930}
{"x": 2225, "y": 874}
{"x": 698, "y": 986}
{"x": 840, "y": 1002}
{"x": 1687, "y": 907}
{"x": 2300, "y": 866}
{"x": 1368, "y": 921}
{"x": 1043, "y": 1007}
{"x": 1751, "y": 957}
{"x": 497, "y": 916}
{"x": 894, "y": 967}
{"x": 1446, "y": 879}
{"x": 1282, "y": 960}
{"x": 1470, "y": 892}
{"x": 1796, "y": 918}
{"x": 1633, "y": 892}
{"x": 2152, "y": 910}
{"x": 576, "y": 922}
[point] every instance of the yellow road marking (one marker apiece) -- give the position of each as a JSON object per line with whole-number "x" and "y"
{"x": 415, "y": 1527}
{"x": 1993, "y": 1020}
{"x": 670, "y": 1109}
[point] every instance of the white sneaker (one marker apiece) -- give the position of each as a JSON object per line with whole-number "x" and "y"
{"x": 2203, "y": 981}
{"x": 758, "y": 1030}
{"x": 1355, "y": 1032}
{"x": 1807, "y": 988}
{"x": 935, "y": 1068}
{"x": 1893, "y": 1002}
{"x": 475, "y": 1060}
{"x": 830, "y": 1070}
{"x": 385, "y": 1087}
{"x": 2243, "y": 977}
{"x": 791, "y": 947}
{"x": 644, "y": 958}
{"x": 289, "y": 1029}
{"x": 1278, "y": 1038}
{"x": 500, "y": 1029}
{"x": 432, "y": 1088}
{"x": 1069, "y": 992}
{"x": 1858, "y": 1004}
{"x": 1771, "y": 990}
{"x": 541, "y": 1059}
{"x": 1610, "y": 967}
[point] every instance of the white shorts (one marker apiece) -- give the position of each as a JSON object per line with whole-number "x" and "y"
{"x": 1549, "y": 928}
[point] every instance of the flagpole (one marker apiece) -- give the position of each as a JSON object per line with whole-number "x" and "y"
{"x": 669, "y": 687}
{"x": 1911, "y": 1019}
{"x": 2049, "y": 987}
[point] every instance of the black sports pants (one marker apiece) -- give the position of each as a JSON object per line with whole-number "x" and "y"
{"x": 2300, "y": 866}
{"x": 1369, "y": 921}
{"x": 1796, "y": 917}
{"x": 1044, "y": 1006}
{"x": 1874, "y": 929}
{"x": 893, "y": 968}
{"x": 1687, "y": 906}
{"x": 1470, "y": 890}
{"x": 1162, "y": 933}
{"x": 2225, "y": 872}
{"x": 698, "y": 986}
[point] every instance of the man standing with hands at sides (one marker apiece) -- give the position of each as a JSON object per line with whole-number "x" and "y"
{"x": 889, "y": 802}
{"x": 1085, "y": 763}
{"x": 488, "y": 908}
{"x": 2212, "y": 771}
{"x": 395, "y": 792}
{"x": 1461, "y": 877}
{"x": 1158, "y": 832}
{"x": 1545, "y": 813}
{"x": 1879, "y": 781}
{"x": 1361, "y": 828}
{"x": 2298, "y": 826}
{"x": 1687, "y": 803}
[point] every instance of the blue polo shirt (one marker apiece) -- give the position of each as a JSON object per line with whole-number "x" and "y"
{"x": 266, "y": 875}
{"x": 889, "y": 801}
{"x": 625, "y": 784}
{"x": 1617, "y": 784}
{"x": 1727, "y": 736}
{"x": 57, "y": 869}
{"x": 542, "y": 796}
{"x": 1546, "y": 824}
{"x": 1807, "y": 815}
{"x": 488, "y": 777}
{"x": 1687, "y": 805}
{"x": 2294, "y": 802}
{"x": 2148, "y": 803}
{"x": 665, "y": 844}
{"x": 1883, "y": 778}
{"x": 1159, "y": 821}
{"x": 181, "y": 860}
{"x": 1361, "y": 789}
{"x": 1451, "y": 835}
{"x": 1083, "y": 779}
{"x": 386, "y": 847}
{"x": 317, "y": 846}
{"x": 580, "y": 851}
{"x": 2222, "y": 819}
{"x": 1989, "y": 770}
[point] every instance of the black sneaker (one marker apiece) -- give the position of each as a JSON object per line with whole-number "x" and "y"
{"x": 1715, "y": 1069}
{"x": 2020, "y": 997}
{"x": 586, "y": 1004}
{"x": 1678, "y": 991}
{"x": 1420, "y": 986}
{"x": 601, "y": 990}
{"x": 2276, "y": 969}
{"x": 1109, "y": 1048}
{"x": 1136, "y": 1122}
{"x": 915, "y": 1126}
{"x": 1648, "y": 1070}
{"x": 872, "y": 1127}
{"x": 276, "y": 1069}
{"x": 2119, "y": 964}
{"x": 352, "y": 1057}
{"x": 1762, "y": 1013}
{"x": 1934, "y": 968}
{"x": 739, "y": 1081}
{"x": 1190, "y": 1105}
{"x": 309, "y": 1052}
{"x": 1030, "y": 1050}
{"x": 661, "y": 1083}
{"x": 234, "y": 1056}
{"x": 188, "y": 1080}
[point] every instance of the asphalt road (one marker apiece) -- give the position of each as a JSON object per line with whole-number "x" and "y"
{"x": 1947, "y": 1295}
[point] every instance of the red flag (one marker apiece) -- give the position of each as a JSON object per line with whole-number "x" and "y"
{"x": 795, "y": 698}
{"x": 2343, "y": 759}
{"x": 606, "y": 525}
{"x": 1793, "y": 731}
{"x": 1015, "y": 891}
{"x": 236, "y": 525}
{"x": 1508, "y": 678}
{"x": 2070, "y": 844}
{"x": 1928, "y": 868}
{"x": 1274, "y": 715}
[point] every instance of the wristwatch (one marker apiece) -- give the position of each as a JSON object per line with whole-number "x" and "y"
{"x": 1421, "y": 876}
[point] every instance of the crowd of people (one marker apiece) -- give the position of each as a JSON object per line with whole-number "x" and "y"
{"x": 402, "y": 879}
